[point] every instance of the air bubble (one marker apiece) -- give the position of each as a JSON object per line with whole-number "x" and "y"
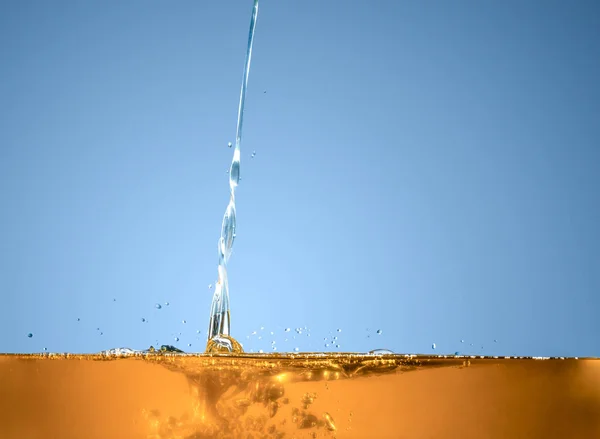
{"x": 209, "y": 286}
{"x": 229, "y": 144}
{"x": 184, "y": 322}
{"x": 287, "y": 329}
{"x": 30, "y": 335}
{"x": 433, "y": 346}
{"x": 158, "y": 306}
{"x": 296, "y": 349}
{"x": 176, "y": 338}
{"x": 379, "y": 331}
{"x": 339, "y": 330}
{"x": 166, "y": 303}
{"x": 143, "y": 320}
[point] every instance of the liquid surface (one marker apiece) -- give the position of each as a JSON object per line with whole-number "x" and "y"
{"x": 188, "y": 396}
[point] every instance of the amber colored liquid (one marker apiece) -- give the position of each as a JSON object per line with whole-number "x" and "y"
{"x": 156, "y": 396}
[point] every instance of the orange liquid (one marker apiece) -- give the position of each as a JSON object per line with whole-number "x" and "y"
{"x": 158, "y": 396}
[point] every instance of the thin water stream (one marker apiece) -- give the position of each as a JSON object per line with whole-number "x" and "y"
{"x": 219, "y": 338}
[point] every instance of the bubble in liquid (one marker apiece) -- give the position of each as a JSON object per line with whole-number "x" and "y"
{"x": 262, "y": 327}
{"x": 30, "y": 335}
{"x": 326, "y": 345}
{"x": 102, "y": 333}
{"x": 381, "y": 352}
{"x": 45, "y": 349}
{"x": 296, "y": 349}
{"x": 379, "y": 331}
{"x": 274, "y": 348}
{"x": 337, "y": 346}
{"x": 209, "y": 286}
{"x": 143, "y": 320}
{"x": 253, "y": 333}
{"x": 198, "y": 331}
{"x": 260, "y": 351}
{"x": 158, "y": 306}
{"x": 272, "y": 333}
{"x": 229, "y": 144}
{"x": 462, "y": 341}
{"x": 166, "y": 303}
{"x": 176, "y": 338}
{"x": 189, "y": 344}
{"x": 253, "y": 154}
{"x": 433, "y": 346}
{"x": 184, "y": 322}
{"x": 78, "y": 319}
{"x": 339, "y": 330}
{"x": 287, "y": 329}
{"x": 495, "y": 341}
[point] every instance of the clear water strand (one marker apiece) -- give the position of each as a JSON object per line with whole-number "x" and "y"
{"x": 219, "y": 338}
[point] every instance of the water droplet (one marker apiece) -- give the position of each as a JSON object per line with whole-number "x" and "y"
{"x": 272, "y": 333}
{"x": 189, "y": 344}
{"x": 274, "y": 348}
{"x": 296, "y": 349}
{"x": 262, "y": 327}
{"x": 273, "y": 342}
{"x": 184, "y": 322}
{"x": 339, "y": 330}
{"x": 158, "y": 306}
{"x": 260, "y": 351}
{"x": 462, "y": 341}
{"x": 253, "y": 154}
{"x": 229, "y": 144}
{"x": 433, "y": 346}
{"x": 102, "y": 333}
{"x": 260, "y": 337}
{"x": 253, "y": 333}
{"x": 334, "y": 338}
{"x": 326, "y": 345}
{"x": 45, "y": 349}
{"x": 143, "y": 320}
{"x": 209, "y": 286}
{"x": 495, "y": 341}
{"x": 337, "y": 346}
{"x": 379, "y": 331}
{"x": 287, "y": 329}
{"x": 198, "y": 331}
{"x": 30, "y": 335}
{"x": 166, "y": 303}
{"x": 176, "y": 338}
{"x": 78, "y": 319}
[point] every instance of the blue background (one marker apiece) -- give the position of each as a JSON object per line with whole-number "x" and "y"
{"x": 427, "y": 169}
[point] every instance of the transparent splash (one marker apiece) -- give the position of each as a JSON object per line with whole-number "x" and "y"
{"x": 218, "y": 339}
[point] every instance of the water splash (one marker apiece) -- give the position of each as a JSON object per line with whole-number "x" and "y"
{"x": 219, "y": 326}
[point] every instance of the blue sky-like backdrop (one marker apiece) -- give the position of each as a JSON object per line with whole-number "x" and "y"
{"x": 427, "y": 169}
